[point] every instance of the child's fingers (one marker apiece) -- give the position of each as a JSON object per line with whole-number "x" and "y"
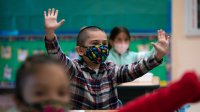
{"x": 56, "y": 13}
{"x": 49, "y": 12}
{"x": 154, "y": 45}
{"x": 61, "y": 22}
{"x": 52, "y": 12}
{"x": 159, "y": 35}
{"x": 162, "y": 34}
{"x": 45, "y": 15}
{"x": 167, "y": 37}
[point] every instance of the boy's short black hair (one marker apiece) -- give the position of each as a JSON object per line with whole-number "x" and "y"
{"x": 29, "y": 67}
{"x": 83, "y": 34}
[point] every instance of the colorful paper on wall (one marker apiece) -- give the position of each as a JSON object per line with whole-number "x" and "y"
{"x": 38, "y": 52}
{"x": 7, "y": 73}
{"x": 143, "y": 48}
{"x": 6, "y": 52}
{"x": 22, "y": 54}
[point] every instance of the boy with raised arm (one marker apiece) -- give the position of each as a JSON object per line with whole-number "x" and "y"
{"x": 94, "y": 81}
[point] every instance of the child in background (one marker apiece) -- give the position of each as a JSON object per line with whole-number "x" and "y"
{"x": 94, "y": 81}
{"x": 119, "y": 42}
{"x": 42, "y": 85}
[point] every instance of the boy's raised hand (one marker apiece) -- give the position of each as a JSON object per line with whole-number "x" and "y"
{"x": 50, "y": 23}
{"x": 162, "y": 46}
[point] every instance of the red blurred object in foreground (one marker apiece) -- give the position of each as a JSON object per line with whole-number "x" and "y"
{"x": 169, "y": 99}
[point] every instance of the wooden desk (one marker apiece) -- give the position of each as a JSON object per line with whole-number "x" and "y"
{"x": 131, "y": 90}
{"x": 155, "y": 82}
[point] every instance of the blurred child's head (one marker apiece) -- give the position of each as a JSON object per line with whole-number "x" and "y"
{"x": 119, "y": 39}
{"x": 41, "y": 83}
{"x": 92, "y": 44}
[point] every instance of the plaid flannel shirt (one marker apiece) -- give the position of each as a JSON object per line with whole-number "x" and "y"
{"x": 91, "y": 90}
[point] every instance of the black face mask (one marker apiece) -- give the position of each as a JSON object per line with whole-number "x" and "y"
{"x": 48, "y": 106}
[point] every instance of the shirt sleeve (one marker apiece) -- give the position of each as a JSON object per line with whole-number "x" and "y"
{"x": 54, "y": 50}
{"x": 130, "y": 72}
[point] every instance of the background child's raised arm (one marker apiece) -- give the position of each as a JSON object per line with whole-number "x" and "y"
{"x": 130, "y": 72}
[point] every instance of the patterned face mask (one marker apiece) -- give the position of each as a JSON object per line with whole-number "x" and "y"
{"x": 97, "y": 54}
{"x": 48, "y": 106}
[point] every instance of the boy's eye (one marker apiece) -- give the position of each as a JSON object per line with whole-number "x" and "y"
{"x": 62, "y": 93}
{"x": 105, "y": 43}
{"x": 96, "y": 43}
{"x": 39, "y": 93}
{"x": 127, "y": 40}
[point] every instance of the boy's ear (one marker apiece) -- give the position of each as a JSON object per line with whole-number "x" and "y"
{"x": 80, "y": 50}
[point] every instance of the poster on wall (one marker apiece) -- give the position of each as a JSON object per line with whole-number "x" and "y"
{"x": 143, "y": 48}
{"x": 38, "y": 51}
{"x": 22, "y": 54}
{"x": 192, "y": 17}
{"x": 6, "y": 52}
{"x": 7, "y": 72}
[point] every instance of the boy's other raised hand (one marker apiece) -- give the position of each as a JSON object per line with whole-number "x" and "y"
{"x": 162, "y": 46}
{"x": 50, "y": 23}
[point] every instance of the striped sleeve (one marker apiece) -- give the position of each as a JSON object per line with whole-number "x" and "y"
{"x": 127, "y": 73}
{"x": 54, "y": 50}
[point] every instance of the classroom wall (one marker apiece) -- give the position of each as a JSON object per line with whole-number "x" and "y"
{"x": 137, "y": 15}
{"x": 185, "y": 50}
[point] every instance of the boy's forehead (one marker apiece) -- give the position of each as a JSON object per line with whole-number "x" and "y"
{"x": 96, "y": 35}
{"x": 42, "y": 78}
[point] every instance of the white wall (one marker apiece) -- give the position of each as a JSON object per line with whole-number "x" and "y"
{"x": 185, "y": 50}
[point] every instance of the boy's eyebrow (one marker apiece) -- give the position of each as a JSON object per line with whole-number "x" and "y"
{"x": 64, "y": 86}
{"x": 39, "y": 88}
{"x": 39, "y": 85}
{"x": 98, "y": 40}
